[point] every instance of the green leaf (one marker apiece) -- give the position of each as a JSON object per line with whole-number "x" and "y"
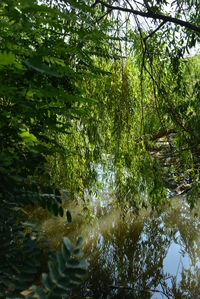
{"x": 65, "y": 252}
{"x": 61, "y": 212}
{"x": 61, "y": 263}
{"x": 53, "y": 272}
{"x": 79, "y": 242}
{"x": 73, "y": 264}
{"x": 7, "y": 58}
{"x": 28, "y": 137}
{"x": 37, "y": 65}
{"x": 47, "y": 281}
{"x": 55, "y": 209}
{"x": 69, "y": 217}
{"x": 68, "y": 244}
{"x": 78, "y": 252}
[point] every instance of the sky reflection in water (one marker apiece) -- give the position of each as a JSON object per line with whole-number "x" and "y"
{"x": 146, "y": 256}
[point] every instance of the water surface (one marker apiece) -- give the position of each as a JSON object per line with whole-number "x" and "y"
{"x": 150, "y": 255}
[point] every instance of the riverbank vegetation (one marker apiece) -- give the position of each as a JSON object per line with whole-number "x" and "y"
{"x": 93, "y": 95}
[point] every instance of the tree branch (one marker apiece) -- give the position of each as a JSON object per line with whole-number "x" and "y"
{"x": 103, "y": 16}
{"x": 154, "y": 31}
{"x": 155, "y": 16}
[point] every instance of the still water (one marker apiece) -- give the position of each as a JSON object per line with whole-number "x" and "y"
{"x": 150, "y": 255}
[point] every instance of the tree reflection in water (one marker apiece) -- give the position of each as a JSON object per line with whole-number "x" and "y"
{"x": 152, "y": 255}
{"x": 131, "y": 258}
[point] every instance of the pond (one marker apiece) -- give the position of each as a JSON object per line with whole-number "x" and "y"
{"x": 149, "y": 255}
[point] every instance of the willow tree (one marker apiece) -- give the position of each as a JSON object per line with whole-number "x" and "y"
{"x": 147, "y": 96}
{"x": 160, "y": 35}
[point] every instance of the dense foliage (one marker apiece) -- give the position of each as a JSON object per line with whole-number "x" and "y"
{"x": 43, "y": 58}
{"x": 84, "y": 86}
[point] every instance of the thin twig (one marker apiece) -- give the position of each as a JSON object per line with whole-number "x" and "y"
{"x": 154, "y": 31}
